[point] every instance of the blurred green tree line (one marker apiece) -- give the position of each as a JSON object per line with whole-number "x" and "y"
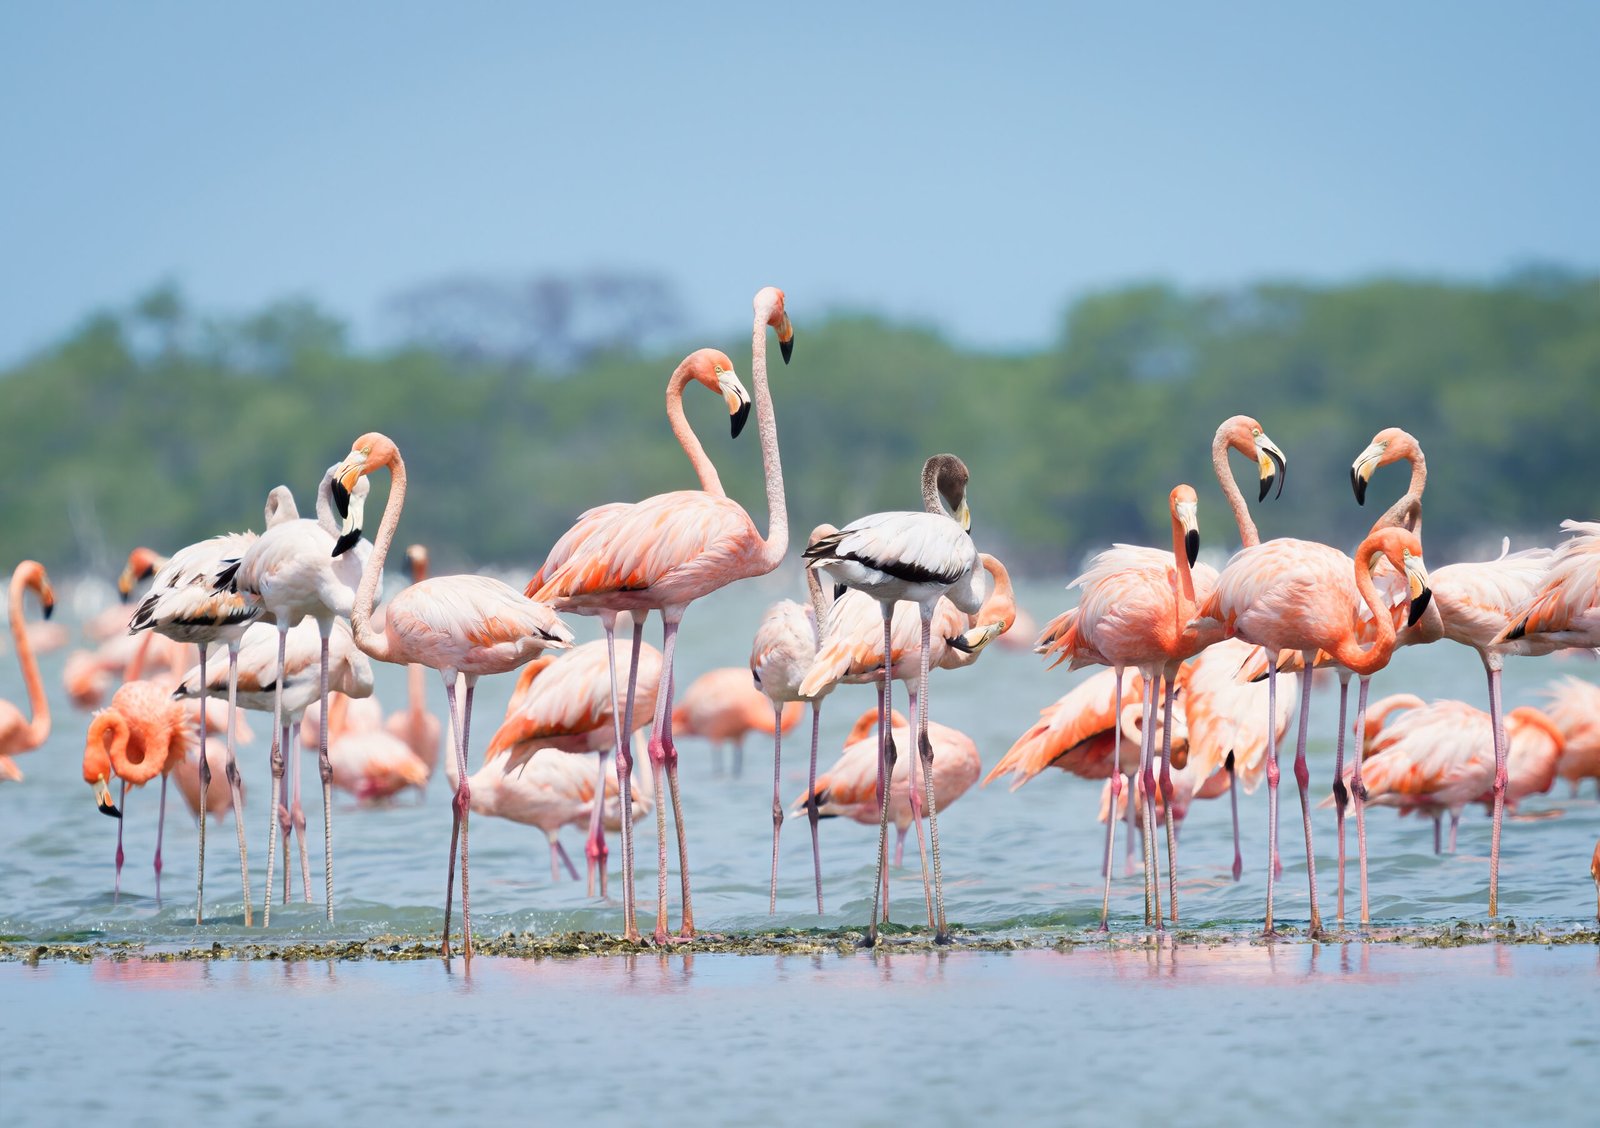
{"x": 156, "y": 425}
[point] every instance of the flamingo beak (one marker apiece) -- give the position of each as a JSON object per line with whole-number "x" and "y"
{"x": 973, "y": 641}
{"x": 1274, "y": 466}
{"x": 738, "y": 401}
{"x": 350, "y": 530}
{"x": 128, "y": 579}
{"x": 1361, "y": 471}
{"x": 47, "y": 601}
{"x": 1189, "y": 522}
{"x": 1418, "y": 588}
{"x": 785, "y": 338}
{"x": 102, "y": 799}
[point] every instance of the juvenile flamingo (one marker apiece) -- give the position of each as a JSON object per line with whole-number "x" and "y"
{"x": 1474, "y": 603}
{"x": 662, "y": 554}
{"x": 459, "y": 625}
{"x": 566, "y": 704}
{"x": 920, "y": 558}
{"x": 142, "y": 734}
{"x": 1298, "y": 595}
{"x": 16, "y": 734}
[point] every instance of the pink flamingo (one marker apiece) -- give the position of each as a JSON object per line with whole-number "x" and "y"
{"x": 1298, "y": 595}
{"x": 662, "y": 554}
{"x": 418, "y": 727}
{"x": 1137, "y": 609}
{"x": 16, "y": 734}
{"x": 187, "y": 774}
{"x": 142, "y": 734}
{"x": 1474, "y": 603}
{"x": 918, "y": 558}
{"x": 466, "y": 626}
{"x": 1575, "y": 708}
{"x": 369, "y": 761}
{"x": 722, "y": 705}
{"x": 1564, "y": 611}
{"x": 850, "y": 788}
{"x": 567, "y": 704}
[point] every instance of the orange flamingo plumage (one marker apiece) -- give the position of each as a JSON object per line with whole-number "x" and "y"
{"x": 1575, "y": 708}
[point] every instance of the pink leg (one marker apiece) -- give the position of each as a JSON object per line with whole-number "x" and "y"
{"x": 594, "y": 848}
{"x": 661, "y": 738}
{"x": 1302, "y": 776}
{"x": 886, "y": 756}
{"x": 235, "y": 782}
{"x": 555, "y": 865}
{"x": 1341, "y": 794}
{"x": 1455, "y": 821}
{"x": 1272, "y": 782}
{"x": 325, "y": 770}
{"x": 1498, "y": 721}
{"x": 1359, "y": 794}
{"x": 122, "y": 803}
{"x": 811, "y": 800}
{"x": 1116, "y": 792}
{"x": 777, "y": 802}
{"x": 205, "y": 791}
{"x": 277, "y": 755}
{"x": 630, "y": 920}
{"x": 1233, "y": 801}
{"x": 913, "y": 784}
{"x": 899, "y": 847}
{"x": 297, "y": 814}
{"x": 1145, "y": 793}
{"x": 285, "y": 821}
{"x": 941, "y": 932}
{"x": 561, "y": 852}
{"x": 1166, "y": 794}
{"x": 464, "y": 797}
{"x": 1437, "y": 819}
{"x": 458, "y": 806}
{"x": 161, "y": 826}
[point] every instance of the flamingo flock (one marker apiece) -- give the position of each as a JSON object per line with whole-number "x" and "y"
{"x": 1178, "y": 713}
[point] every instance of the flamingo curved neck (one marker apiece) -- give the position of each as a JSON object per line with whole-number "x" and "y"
{"x": 684, "y": 433}
{"x": 1248, "y": 537}
{"x": 1349, "y": 653}
{"x": 777, "y": 540}
{"x": 1185, "y": 603}
{"x": 370, "y": 641}
{"x": 38, "y": 730}
{"x": 1406, "y": 513}
{"x": 819, "y": 604}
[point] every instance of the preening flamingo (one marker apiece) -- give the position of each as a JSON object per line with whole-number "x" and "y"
{"x": 459, "y": 625}
{"x": 662, "y": 554}
{"x": 16, "y": 734}
{"x": 567, "y": 703}
{"x": 142, "y": 734}
{"x": 919, "y": 558}
{"x": 1474, "y": 603}
{"x": 850, "y": 788}
{"x": 1298, "y": 595}
{"x": 298, "y": 569}
{"x": 1575, "y": 708}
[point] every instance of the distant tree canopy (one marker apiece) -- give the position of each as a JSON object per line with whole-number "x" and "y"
{"x": 155, "y": 425}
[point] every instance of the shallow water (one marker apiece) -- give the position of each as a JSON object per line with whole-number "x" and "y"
{"x": 1023, "y": 860}
{"x": 1229, "y": 1035}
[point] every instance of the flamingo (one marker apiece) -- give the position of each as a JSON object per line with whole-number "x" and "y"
{"x": 1137, "y": 610}
{"x": 142, "y": 563}
{"x": 298, "y": 569}
{"x": 662, "y": 554}
{"x": 920, "y": 558}
{"x": 723, "y": 706}
{"x": 850, "y": 788}
{"x": 16, "y": 734}
{"x": 1289, "y": 594}
{"x": 416, "y": 726}
{"x": 369, "y": 762}
{"x": 254, "y": 682}
{"x": 781, "y": 654}
{"x": 187, "y": 774}
{"x": 1575, "y": 708}
{"x": 142, "y": 734}
{"x": 1565, "y": 609}
{"x": 549, "y": 790}
{"x": 566, "y": 704}
{"x": 459, "y": 625}
{"x": 1474, "y": 603}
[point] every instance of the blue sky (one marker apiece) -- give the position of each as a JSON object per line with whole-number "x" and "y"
{"x": 977, "y": 170}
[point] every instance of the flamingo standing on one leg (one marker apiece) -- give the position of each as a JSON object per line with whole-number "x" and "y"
{"x": 919, "y": 558}
{"x": 16, "y": 734}
{"x": 142, "y": 734}
{"x": 566, "y": 704}
{"x": 1298, "y": 595}
{"x": 662, "y": 554}
{"x": 464, "y": 626}
{"x": 781, "y": 654}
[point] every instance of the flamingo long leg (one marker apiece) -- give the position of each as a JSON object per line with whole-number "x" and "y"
{"x": 277, "y": 776}
{"x": 686, "y": 928}
{"x": 1116, "y": 791}
{"x": 325, "y": 769}
{"x": 886, "y": 756}
{"x": 161, "y": 826}
{"x": 1498, "y": 721}
{"x": 595, "y": 845}
{"x": 460, "y": 801}
{"x": 1302, "y": 776}
{"x": 1272, "y": 782}
{"x": 561, "y": 852}
{"x": 941, "y": 933}
{"x": 811, "y": 799}
{"x": 466, "y": 810}
{"x": 777, "y": 802}
{"x": 1358, "y": 792}
{"x": 235, "y": 781}
{"x": 630, "y": 911}
{"x": 1166, "y": 796}
{"x": 913, "y": 778}
{"x": 205, "y": 790}
{"x": 1233, "y": 801}
{"x": 1145, "y": 794}
{"x": 297, "y": 818}
{"x": 122, "y": 805}
{"x": 1341, "y": 794}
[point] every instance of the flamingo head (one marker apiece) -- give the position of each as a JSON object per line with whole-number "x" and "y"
{"x": 769, "y": 301}
{"x": 1184, "y": 506}
{"x": 30, "y": 575}
{"x": 944, "y": 483}
{"x": 1245, "y": 435}
{"x": 370, "y": 452}
{"x": 712, "y": 368}
{"x": 1389, "y": 445}
{"x": 142, "y": 563}
{"x": 1403, "y": 549}
{"x": 97, "y": 767}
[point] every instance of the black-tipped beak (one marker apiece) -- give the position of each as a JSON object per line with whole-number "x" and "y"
{"x": 1191, "y": 545}
{"x": 1359, "y": 485}
{"x": 341, "y": 500}
{"x": 1418, "y": 606}
{"x": 959, "y": 642}
{"x": 107, "y": 807}
{"x": 1279, "y": 473}
{"x": 49, "y": 608}
{"x": 346, "y": 542}
{"x": 739, "y": 417}
{"x": 786, "y": 348}
{"x": 125, "y": 596}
